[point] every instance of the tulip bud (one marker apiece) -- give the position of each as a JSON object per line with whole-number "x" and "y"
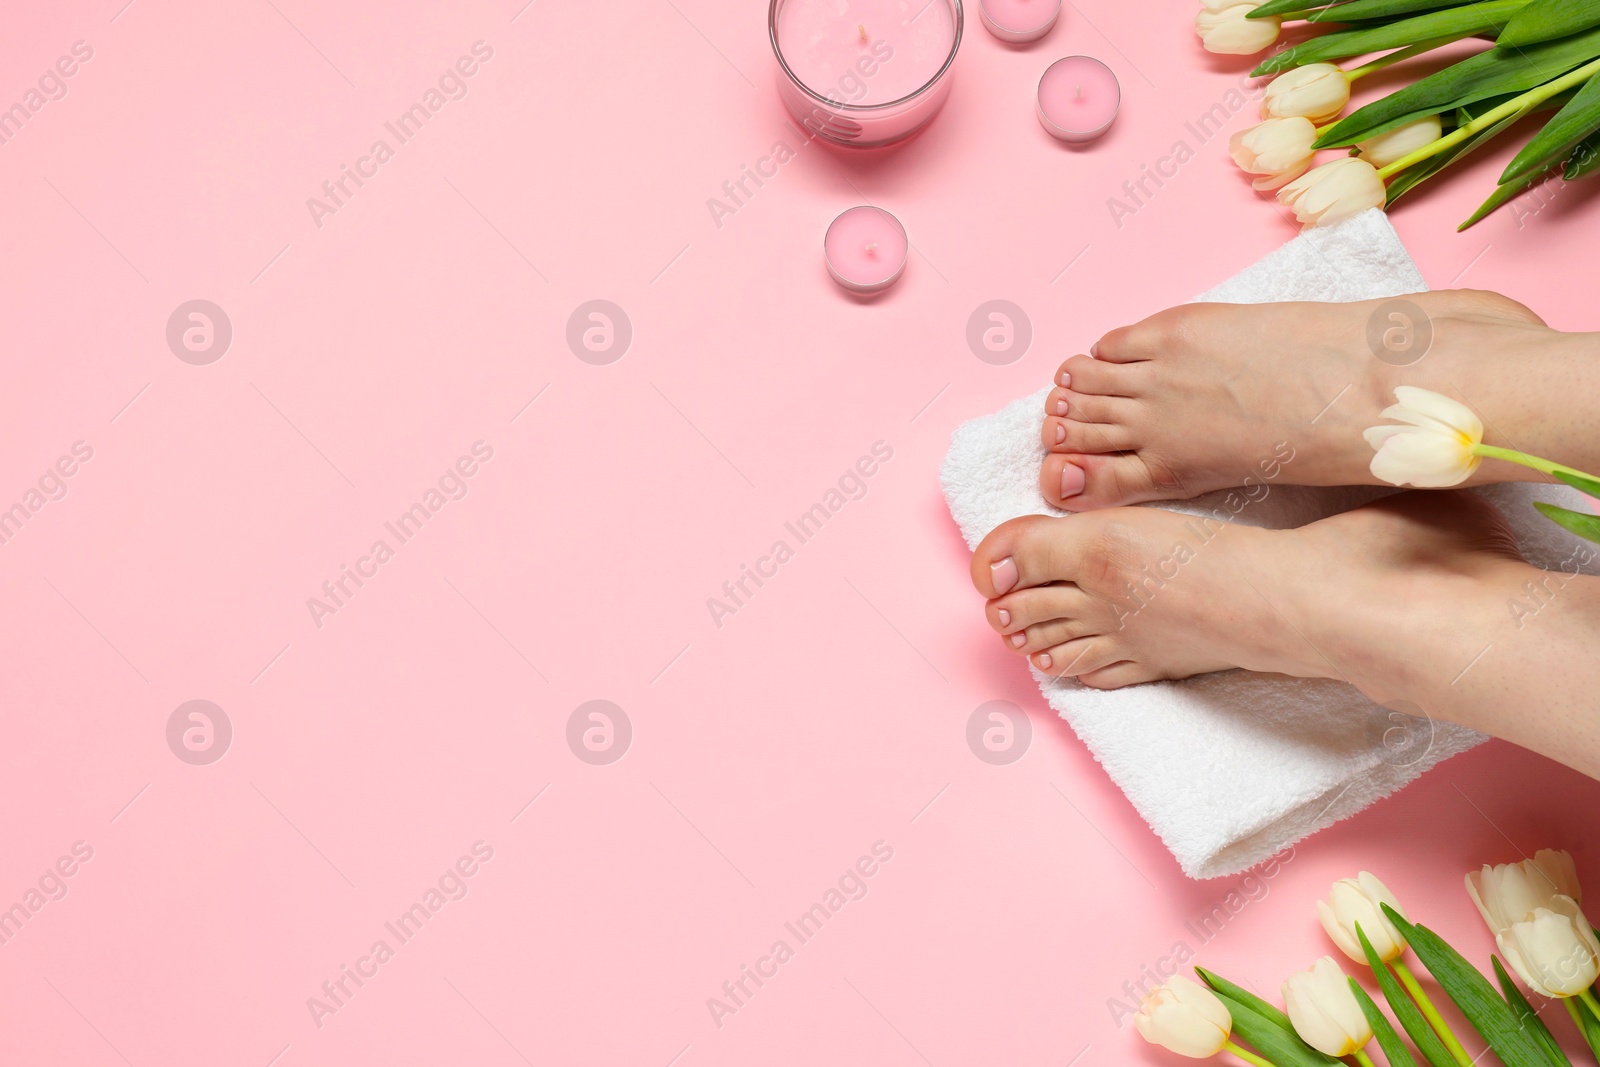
{"x": 1400, "y": 142}
{"x": 1510, "y": 892}
{"x": 1333, "y": 192}
{"x": 1224, "y": 27}
{"x": 1278, "y": 150}
{"x": 1354, "y": 901}
{"x": 1185, "y": 1017}
{"x": 1434, "y": 450}
{"x": 1324, "y": 1011}
{"x": 1554, "y": 949}
{"x": 1318, "y": 91}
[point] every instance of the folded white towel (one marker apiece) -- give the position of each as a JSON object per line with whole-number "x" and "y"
{"x": 1229, "y": 768}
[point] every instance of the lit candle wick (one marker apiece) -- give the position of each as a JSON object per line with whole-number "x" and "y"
{"x": 872, "y": 248}
{"x": 862, "y": 30}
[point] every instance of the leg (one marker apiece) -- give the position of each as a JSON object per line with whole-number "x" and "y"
{"x": 1204, "y": 396}
{"x": 1420, "y": 597}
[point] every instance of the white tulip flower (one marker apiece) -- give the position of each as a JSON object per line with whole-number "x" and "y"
{"x": 1185, "y": 1017}
{"x": 1401, "y": 141}
{"x": 1277, "y": 151}
{"x": 1333, "y": 192}
{"x": 1324, "y": 1011}
{"x": 1318, "y": 91}
{"x": 1356, "y": 900}
{"x": 1224, "y": 27}
{"x": 1554, "y": 949}
{"x": 1509, "y": 892}
{"x": 1436, "y": 447}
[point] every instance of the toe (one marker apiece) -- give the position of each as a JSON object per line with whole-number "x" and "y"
{"x": 1030, "y": 606}
{"x": 1026, "y": 552}
{"x": 1101, "y": 377}
{"x": 1070, "y": 435}
{"x": 1072, "y": 659}
{"x": 1083, "y": 482}
{"x": 1117, "y": 675}
{"x": 1066, "y": 403}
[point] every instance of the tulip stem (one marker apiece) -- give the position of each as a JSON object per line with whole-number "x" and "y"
{"x": 1247, "y": 1056}
{"x": 1429, "y": 1012}
{"x": 1397, "y": 57}
{"x": 1532, "y": 462}
{"x": 1362, "y": 1058}
{"x": 1587, "y": 996}
{"x": 1492, "y": 116}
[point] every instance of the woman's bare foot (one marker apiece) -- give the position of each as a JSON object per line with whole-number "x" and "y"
{"x": 1211, "y": 396}
{"x": 1381, "y": 596}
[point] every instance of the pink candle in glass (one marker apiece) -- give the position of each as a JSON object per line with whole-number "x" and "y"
{"x": 1078, "y": 98}
{"x": 864, "y": 72}
{"x": 1019, "y": 21}
{"x": 866, "y": 249}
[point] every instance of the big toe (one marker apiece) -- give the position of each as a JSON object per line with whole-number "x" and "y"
{"x": 1086, "y": 482}
{"x": 1029, "y": 551}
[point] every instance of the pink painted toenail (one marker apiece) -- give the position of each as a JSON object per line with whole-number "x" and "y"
{"x": 1061, "y": 408}
{"x": 1061, "y": 433}
{"x": 1064, "y": 380}
{"x": 1094, "y": 350}
{"x": 1071, "y": 481}
{"x": 1042, "y": 661}
{"x": 1005, "y": 616}
{"x": 1018, "y": 640}
{"x": 1003, "y": 574}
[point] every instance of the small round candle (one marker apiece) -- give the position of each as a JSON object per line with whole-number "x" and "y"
{"x": 1078, "y": 98}
{"x": 866, "y": 249}
{"x": 1019, "y": 21}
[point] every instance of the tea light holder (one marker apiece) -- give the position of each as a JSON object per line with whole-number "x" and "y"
{"x": 1019, "y": 21}
{"x": 1079, "y": 98}
{"x": 868, "y": 77}
{"x": 865, "y": 248}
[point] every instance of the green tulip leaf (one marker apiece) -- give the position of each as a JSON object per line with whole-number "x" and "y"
{"x": 1438, "y": 27}
{"x": 1500, "y": 198}
{"x": 1282, "y": 1048}
{"x": 1585, "y": 526}
{"x": 1587, "y": 1024}
{"x": 1405, "y": 1009}
{"x": 1527, "y": 1018}
{"x": 1584, "y": 483}
{"x": 1546, "y": 20}
{"x": 1394, "y": 1050}
{"x": 1489, "y": 1015}
{"x": 1489, "y": 73}
{"x": 1314, "y": 11}
{"x": 1571, "y": 125}
{"x": 1585, "y": 159}
{"x": 1221, "y": 985}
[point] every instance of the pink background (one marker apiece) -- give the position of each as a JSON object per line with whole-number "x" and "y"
{"x": 827, "y": 714}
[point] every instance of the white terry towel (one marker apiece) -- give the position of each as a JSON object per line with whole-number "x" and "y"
{"x": 1230, "y": 768}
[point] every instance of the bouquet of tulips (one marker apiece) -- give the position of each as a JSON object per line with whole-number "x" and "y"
{"x": 1538, "y": 55}
{"x": 1531, "y": 906}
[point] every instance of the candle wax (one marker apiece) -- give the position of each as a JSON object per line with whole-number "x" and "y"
{"x": 866, "y": 249}
{"x": 1019, "y": 20}
{"x": 1078, "y": 98}
{"x": 905, "y": 45}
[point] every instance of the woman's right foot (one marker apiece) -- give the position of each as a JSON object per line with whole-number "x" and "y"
{"x": 1211, "y": 396}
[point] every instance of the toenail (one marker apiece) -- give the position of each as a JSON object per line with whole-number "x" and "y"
{"x": 1005, "y": 616}
{"x": 1064, "y": 380}
{"x": 1061, "y": 408}
{"x": 1003, "y": 574}
{"x": 1094, "y": 350}
{"x": 1042, "y": 661}
{"x": 1061, "y": 433}
{"x": 1018, "y": 640}
{"x": 1071, "y": 481}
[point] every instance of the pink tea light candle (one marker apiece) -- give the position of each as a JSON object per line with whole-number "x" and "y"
{"x": 864, "y": 73}
{"x": 866, "y": 249}
{"x": 1078, "y": 98}
{"x": 1019, "y": 21}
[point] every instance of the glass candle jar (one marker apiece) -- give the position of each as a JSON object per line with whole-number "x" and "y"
{"x": 862, "y": 73}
